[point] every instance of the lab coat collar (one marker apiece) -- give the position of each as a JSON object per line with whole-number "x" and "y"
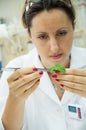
{"x": 45, "y": 84}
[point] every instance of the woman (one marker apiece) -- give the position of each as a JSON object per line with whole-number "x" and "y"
{"x": 32, "y": 99}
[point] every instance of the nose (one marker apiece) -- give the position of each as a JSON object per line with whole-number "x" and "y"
{"x": 54, "y": 46}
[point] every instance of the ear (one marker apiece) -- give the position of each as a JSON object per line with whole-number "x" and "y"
{"x": 29, "y": 35}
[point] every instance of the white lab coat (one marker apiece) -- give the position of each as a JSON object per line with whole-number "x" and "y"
{"x": 43, "y": 109}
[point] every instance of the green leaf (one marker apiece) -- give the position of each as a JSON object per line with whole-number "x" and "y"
{"x": 57, "y": 67}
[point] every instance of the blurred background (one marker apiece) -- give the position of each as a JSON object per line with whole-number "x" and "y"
{"x": 13, "y": 37}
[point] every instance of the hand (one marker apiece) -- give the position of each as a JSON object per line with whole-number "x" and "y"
{"x": 73, "y": 80}
{"x": 23, "y": 82}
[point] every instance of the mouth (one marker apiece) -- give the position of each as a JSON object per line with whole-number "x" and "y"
{"x": 56, "y": 56}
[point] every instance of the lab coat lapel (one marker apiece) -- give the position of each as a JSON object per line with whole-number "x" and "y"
{"x": 67, "y": 97}
{"x": 47, "y": 87}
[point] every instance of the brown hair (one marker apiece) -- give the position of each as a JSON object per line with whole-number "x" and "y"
{"x": 42, "y": 5}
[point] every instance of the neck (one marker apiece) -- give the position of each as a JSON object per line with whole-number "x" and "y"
{"x": 68, "y": 62}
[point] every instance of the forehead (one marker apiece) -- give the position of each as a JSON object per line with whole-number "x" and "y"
{"x": 50, "y": 19}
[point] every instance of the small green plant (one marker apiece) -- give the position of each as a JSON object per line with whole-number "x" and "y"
{"x": 57, "y": 67}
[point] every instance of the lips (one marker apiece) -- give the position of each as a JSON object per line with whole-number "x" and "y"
{"x": 56, "y": 56}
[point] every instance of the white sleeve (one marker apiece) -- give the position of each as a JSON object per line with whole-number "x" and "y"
{"x": 3, "y": 97}
{"x": 2, "y": 106}
{"x": 1, "y": 125}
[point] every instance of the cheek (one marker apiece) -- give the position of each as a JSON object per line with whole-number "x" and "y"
{"x": 42, "y": 50}
{"x": 67, "y": 45}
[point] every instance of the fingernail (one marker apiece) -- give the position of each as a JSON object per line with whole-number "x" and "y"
{"x": 57, "y": 80}
{"x": 41, "y": 72}
{"x": 62, "y": 85}
{"x": 34, "y": 69}
{"x": 54, "y": 76}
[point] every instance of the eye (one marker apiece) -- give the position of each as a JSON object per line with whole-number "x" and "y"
{"x": 43, "y": 36}
{"x": 62, "y": 33}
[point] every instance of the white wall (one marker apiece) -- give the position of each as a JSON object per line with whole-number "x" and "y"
{"x": 10, "y": 9}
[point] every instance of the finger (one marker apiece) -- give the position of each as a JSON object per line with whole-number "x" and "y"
{"x": 72, "y": 78}
{"x": 76, "y": 91}
{"x": 30, "y": 90}
{"x": 25, "y": 87}
{"x": 78, "y": 72}
{"x": 19, "y": 73}
{"x": 25, "y": 79}
{"x": 74, "y": 85}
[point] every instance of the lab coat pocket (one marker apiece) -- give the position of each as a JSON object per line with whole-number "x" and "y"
{"x": 75, "y": 117}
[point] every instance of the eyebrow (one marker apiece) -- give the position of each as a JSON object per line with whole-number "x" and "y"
{"x": 56, "y": 30}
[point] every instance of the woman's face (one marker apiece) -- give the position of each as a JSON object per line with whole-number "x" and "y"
{"x": 52, "y": 34}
